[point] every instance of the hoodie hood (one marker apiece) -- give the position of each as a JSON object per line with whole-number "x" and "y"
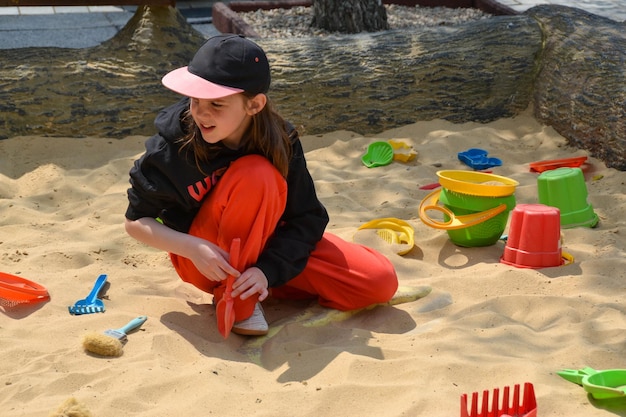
{"x": 169, "y": 120}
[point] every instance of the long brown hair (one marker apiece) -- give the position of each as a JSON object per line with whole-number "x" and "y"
{"x": 266, "y": 136}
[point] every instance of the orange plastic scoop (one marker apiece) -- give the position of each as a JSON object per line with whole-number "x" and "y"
{"x": 225, "y": 306}
{"x": 16, "y": 290}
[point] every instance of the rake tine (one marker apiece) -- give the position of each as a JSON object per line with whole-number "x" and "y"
{"x": 529, "y": 404}
{"x": 516, "y": 404}
{"x": 505, "y": 400}
{"x": 495, "y": 401}
{"x": 474, "y": 404}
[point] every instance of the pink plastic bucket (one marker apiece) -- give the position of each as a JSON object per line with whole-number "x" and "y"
{"x": 534, "y": 239}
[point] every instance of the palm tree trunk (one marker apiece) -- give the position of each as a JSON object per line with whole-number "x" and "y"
{"x": 350, "y": 16}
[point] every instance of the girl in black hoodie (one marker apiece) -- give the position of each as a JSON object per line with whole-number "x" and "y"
{"x": 225, "y": 165}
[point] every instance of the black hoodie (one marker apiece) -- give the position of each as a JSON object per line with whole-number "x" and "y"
{"x": 166, "y": 183}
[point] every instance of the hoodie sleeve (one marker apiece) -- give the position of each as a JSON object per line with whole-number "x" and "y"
{"x": 301, "y": 227}
{"x": 156, "y": 190}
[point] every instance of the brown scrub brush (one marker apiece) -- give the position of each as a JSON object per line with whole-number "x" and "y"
{"x": 111, "y": 342}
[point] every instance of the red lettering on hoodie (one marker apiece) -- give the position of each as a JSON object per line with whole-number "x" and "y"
{"x": 201, "y": 188}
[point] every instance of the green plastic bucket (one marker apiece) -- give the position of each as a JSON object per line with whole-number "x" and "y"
{"x": 485, "y": 233}
{"x": 565, "y": 189}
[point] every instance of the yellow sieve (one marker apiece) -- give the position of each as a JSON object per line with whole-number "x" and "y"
{"x": 477, "y": 183}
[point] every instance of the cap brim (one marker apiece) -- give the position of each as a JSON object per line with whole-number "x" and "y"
{"x": 183, "y": 82}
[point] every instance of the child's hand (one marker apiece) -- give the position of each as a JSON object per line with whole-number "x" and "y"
{"x": 252, "y": 281}
{"x": 212, "y": 261}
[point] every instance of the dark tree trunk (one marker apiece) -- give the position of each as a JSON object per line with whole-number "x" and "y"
{"x": 350, "y": 16}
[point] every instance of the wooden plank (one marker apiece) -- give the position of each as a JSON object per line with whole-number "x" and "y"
{"x": 23, "y": 3}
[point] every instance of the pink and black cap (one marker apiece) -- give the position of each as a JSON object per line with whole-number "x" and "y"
{"x": 224, "y": 65}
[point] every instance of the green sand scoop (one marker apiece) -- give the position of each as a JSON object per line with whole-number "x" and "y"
{"x": 602, "y": 385}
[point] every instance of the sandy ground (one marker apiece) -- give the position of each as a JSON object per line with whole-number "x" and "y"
{"x": 469, "y": 322}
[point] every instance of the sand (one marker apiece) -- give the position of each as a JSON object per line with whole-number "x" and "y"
{"x": 483, "y": 325}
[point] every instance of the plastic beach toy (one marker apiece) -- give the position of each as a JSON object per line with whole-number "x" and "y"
{"x": 402, "y": 151}
{"x": 475, "y": 206}
{"x": 476, "y": 158}
{"x": 477, "y": 183}
{"x": 378, "y": 154}
{"x": 565, "y": 189}
{"x": 534, "y": 239}
{"x": 541, "y": 166}
{"x": 501, "y": 407}
{"x": 225, "y": 306}
{"x": 606, "y": 384}
{"x": 91, "y": 303}
{"x": 16, "y": 290}
{"x": 393, "y": 231}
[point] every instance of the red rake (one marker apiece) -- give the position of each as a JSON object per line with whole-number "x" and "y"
{"x": 225, "y": 306}
{"x": 528, "y": 407}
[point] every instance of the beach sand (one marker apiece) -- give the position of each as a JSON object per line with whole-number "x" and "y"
{"x": 483, "y": 325}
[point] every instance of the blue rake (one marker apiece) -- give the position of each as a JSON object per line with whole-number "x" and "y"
{"x": 90, "y": 304}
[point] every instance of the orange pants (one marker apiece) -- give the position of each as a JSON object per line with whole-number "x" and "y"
{"x": 247, "y": 202}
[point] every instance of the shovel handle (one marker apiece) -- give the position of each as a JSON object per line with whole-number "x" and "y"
{"x": 93, "y": 295}
{"x": 233, "y": 259}
{"x": 576, "y": 375}
{"x": 224, "y": 310}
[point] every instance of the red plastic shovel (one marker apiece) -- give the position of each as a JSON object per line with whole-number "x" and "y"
{"x": 225, "y": 311}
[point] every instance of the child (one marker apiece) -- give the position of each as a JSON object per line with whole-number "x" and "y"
{"x": 225, "y": 165}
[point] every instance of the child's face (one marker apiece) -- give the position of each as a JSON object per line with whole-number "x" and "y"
{"x": 225, "y": 119}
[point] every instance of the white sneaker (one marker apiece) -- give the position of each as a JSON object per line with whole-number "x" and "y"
{"x": 255, "y": 325}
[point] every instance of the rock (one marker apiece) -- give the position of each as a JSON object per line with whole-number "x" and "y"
{"x": 365, "y": 83}
{"x": 478, "y": 71}
{"x": 111, "y": 90}
{"x": 581, "y": 85}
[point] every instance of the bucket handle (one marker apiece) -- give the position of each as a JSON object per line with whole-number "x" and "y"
{"x": 456, "y": 222}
